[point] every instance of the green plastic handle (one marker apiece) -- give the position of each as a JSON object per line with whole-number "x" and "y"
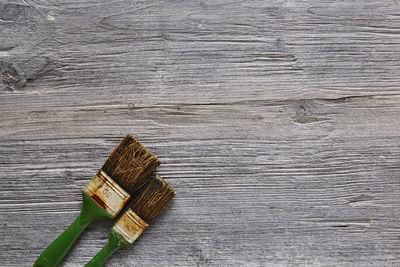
{"x": 56, "y": 251}
{"x": 114, "y": 243}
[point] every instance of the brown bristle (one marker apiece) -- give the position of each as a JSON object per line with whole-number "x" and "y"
{"x": 130, "y": 164}
{"x": 152, "y": 198}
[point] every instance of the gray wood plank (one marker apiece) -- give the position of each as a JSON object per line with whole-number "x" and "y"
{"x": 276, "y": 121}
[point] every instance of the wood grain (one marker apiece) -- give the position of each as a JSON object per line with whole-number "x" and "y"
{"x": 277, "y": 123}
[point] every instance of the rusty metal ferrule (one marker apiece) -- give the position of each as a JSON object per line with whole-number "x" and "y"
{"x": 130, "y": 226}
{"x": 107, "y": 193}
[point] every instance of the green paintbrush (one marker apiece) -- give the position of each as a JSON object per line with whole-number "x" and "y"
{"x": 128, "y": 167}
{"x": 147, "y": 205}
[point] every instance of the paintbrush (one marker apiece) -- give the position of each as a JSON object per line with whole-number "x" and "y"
{"x": 147, "y": 204}
{"x": 126, "y": 170}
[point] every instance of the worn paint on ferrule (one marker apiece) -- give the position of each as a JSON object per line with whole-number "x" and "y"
{"x": 130, "y": 226}
{"x": 107, "y": 193}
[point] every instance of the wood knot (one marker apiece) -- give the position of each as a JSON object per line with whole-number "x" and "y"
{"x": 305, "y": 111}
{"x": 11, "y": 78}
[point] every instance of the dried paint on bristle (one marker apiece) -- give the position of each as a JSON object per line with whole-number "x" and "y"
{"x": 130, "y": 164}
{"x": 152, "y": 198}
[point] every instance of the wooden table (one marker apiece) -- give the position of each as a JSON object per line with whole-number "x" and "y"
{"x": 277, "y": 123}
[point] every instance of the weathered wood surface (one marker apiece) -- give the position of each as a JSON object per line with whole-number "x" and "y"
{"x": 277, "y": 123}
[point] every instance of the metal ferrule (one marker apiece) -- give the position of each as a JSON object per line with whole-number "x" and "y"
{"x": 130, "y": 226}
{"x": 107, "y": 193}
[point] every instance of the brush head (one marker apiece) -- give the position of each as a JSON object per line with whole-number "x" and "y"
{"x": 152, "y": 198}
{"x": 130, "y": 164}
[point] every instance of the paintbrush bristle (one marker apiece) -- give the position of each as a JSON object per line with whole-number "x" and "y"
{"x": 130, "y": 164}
{"x": 154, "y": 195}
